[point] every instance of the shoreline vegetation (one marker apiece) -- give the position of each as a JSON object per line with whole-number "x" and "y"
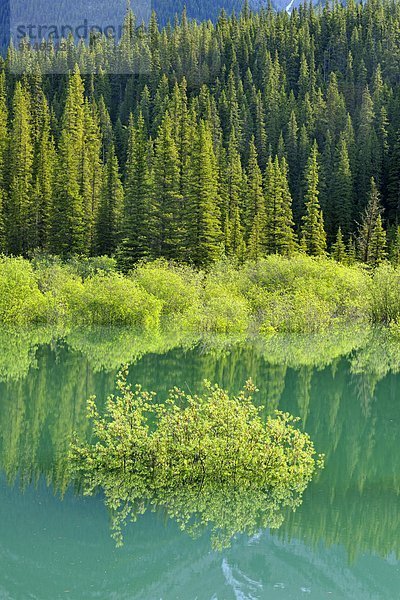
{"x": 300, "y": 294}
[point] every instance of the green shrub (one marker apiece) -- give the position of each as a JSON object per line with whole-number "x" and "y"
{"x": 206, "y": 459}
{"x": 64, "y": 290}
{"x": 384, "y": 298}
{"x": 21, "y": 301}
{"x": 115, "y": 300}
{"x": 299, "y": 312}
{"x": 223, "y": 310}
{"x": 178, "y": 287}
{"x": 87, "y": 266}
{"x": 303, "y": 294}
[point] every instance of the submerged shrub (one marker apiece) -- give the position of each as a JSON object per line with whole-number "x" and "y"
{"x": 194, "y": 456}
{"x": 21, "y": 301}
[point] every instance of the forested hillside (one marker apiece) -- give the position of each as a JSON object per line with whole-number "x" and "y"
{"x": 264, "y": 133}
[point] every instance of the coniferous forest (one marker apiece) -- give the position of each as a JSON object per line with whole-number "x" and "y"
{"x": 264, "y": 133}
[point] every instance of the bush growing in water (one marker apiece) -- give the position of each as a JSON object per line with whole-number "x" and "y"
{"x": 194, "y": 456}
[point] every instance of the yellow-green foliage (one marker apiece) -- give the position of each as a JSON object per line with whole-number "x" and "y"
{"x": 223, "y": 311}
{"x": 181, "y": 454}
{"x": 64, "y": 289}
{"x": 178, "y": 287}
{"x": 276, "y": 294}
{"x": 385, "y": 295}
{"x": 115, "y": 300}
{"x": 21, "y": 301}
{"x": 304, "y": 294}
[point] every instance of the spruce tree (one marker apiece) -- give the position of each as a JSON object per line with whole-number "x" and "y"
{"x": 394, "y": 247}
{"x": 342, "y": 189}
{"x": 370, "y": 239}
{"x": 312, "y": 230}
{"x": 108, "y": 221}
{"x": 68, "y": 234}
{"x": 44, "y": 160}
{"x": 137, "y": 230}
{"x": 378, "y": 244}
{"x": 167, "y": 197}
{"x": 204, "y": 241}
{"x": 254, "y": 197}
{"x": 338, "y": 250}
{"x": 279, "y": 226}
{"x": 20, "y": 210}
{"x": 91, "y": 173}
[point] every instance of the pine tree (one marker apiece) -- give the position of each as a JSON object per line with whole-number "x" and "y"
{"x": 394, "y": 248}
{"x": 236, "y": 244}
{"x": 351, "y": 251}
{"x": 338, "y": 250}
{"x": 138, "y": 228}
{"x": 367, "y": 147}
{"x": 370, "y": 240}
{"x": 255, "y": 247}
{"x": 286, "y": 244}
{"x": 167, "y": 198}
{"x": 378, "y": 244}
{"x": 110, "y": 209}
{"x": 279, "y": 234}
{"x": 292, "y": 149}
{"x": 68, "y": 233}
{"x": 204, "y": 242}
{"x": 20, "y": 209}
{"x": 342, "y": 189}
{"x": 91, "y": 173}
{"x": 44, "y": 159}
{"x": 312, "y": 230}
{"x": 254, "y": 197}
{"x": 233, "y": 181}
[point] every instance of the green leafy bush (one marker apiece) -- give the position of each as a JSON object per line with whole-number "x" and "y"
{"x": 303, "y": 294}
{"x": 276, "y": 294}
{"x": 178, "y": 287}
{"x": 385, "y": 295}
{"x": 223, "y": 310}
{"x": 64, "y": 290}
{"x": 115, "y": 300}
{"x": 193, "y": 456}
{"x": 87, "y": 266}
{"x": 21, "y": 301}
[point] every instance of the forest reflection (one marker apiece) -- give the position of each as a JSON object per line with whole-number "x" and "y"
{"x": 343, "y": 385}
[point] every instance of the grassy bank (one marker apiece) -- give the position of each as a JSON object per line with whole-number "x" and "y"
{"x": 276, "y": 294}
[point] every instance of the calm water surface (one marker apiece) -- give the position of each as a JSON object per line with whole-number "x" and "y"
{"x": 343, "y": 542}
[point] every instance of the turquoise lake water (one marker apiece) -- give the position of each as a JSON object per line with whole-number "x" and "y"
{"x": 344, "y": 540}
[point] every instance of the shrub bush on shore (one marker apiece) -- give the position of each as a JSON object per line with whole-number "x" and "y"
{"x": 275, "y": 294}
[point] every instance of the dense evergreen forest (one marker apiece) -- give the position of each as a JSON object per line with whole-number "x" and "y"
{"x": 264, "y": 133}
